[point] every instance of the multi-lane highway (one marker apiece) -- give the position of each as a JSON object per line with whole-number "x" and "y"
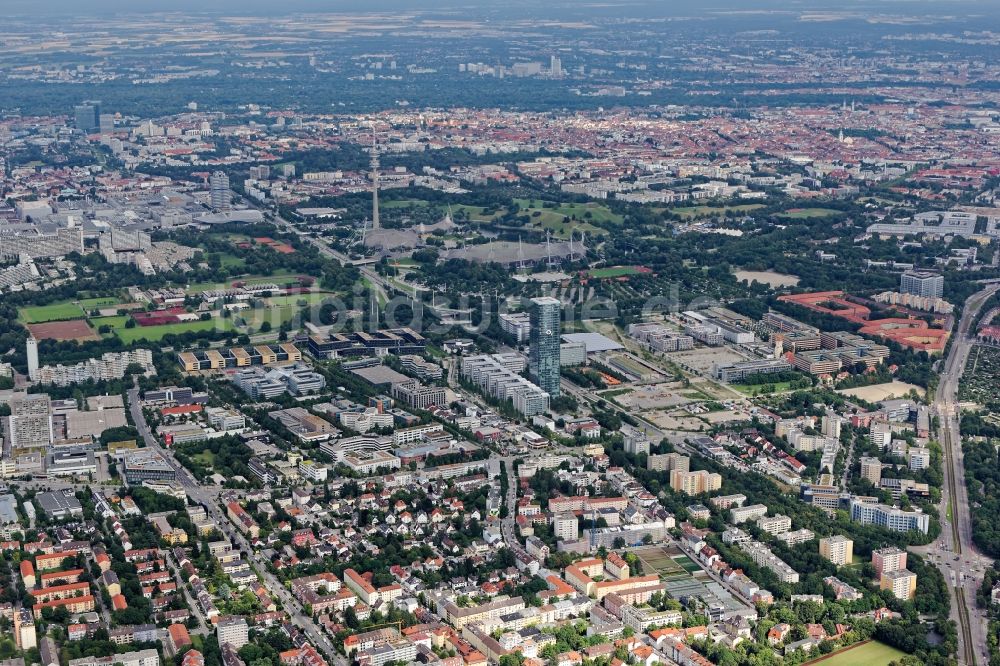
{"x": 954, "y": 552}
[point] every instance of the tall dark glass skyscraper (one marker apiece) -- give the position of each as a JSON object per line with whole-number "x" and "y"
{"x": 543, "y": 357}
{"x": 87, "y": 116}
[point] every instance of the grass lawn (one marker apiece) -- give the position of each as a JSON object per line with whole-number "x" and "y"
{"x": 205, "y": 457}
{"x": 290, "y": 300}
{"x": 403, "y": 203}
{"x": 281, "y": 278}
{"x": 748, "y": 389}
{"x": 614, "y": 271}
{"x": 276, "y": 315}
{"x": 39, "y": 314}
{"x": 404, "y": 261}
{"x": 89, "y": 304}
{"x": 230, "y": 260}
{"x": 476, "y": 213}
{"x": 115, "y": 322}
{"x": 156, "y": 333}
{"x": 804, "y": 213}
{"x": 689, "y": 212}
{"x": 379, "y": 296}
{"x": 557, "y": 219}
{"x": 871, "y": 653}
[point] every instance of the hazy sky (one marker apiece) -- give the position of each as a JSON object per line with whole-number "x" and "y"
{"x": 473, "y": 7}
{"x": 79, "y": 7}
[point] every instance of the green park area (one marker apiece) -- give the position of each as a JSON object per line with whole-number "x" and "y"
{"x": 614, "y": 272}
{"x": 763, "y": 389}
{"x": 40, "y": 314}
{"x": 537, "y": 215}
{"x": 89, "y": 304}
{"x": 113, "y": 323}
{"x": 280, "y": 278}
{"x": 156, "y": 333}
{"x": 870, "y": 653}
{"x": 691, "y": 212}
{"x": 806, "y": 213}
{"x": 563, "y": 218}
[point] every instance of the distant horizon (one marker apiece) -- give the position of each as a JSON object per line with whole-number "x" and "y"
{"x": 27, "y": 8}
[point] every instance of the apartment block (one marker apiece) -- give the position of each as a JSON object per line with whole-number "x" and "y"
{"x": 668, "y": 462}
{"x": 695, "y": 483}
{"x": 838, "y": 549}
{"x": 889, "y": 559}
{"x": 902, "y": 583}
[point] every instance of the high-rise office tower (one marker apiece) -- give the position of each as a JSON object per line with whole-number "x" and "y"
{"x": 555, "y": 67}
{"x": 31, "y": 349}
{"x": 543, "y": 357}
{"x": 87, "y": 116}
{"x": 219, "y": 186}
{"x": 106, "y": 123}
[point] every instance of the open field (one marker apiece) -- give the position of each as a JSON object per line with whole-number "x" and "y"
{"x": 76, "y": 329}
{"x": 654, "y": 396}
{"x": 758, "y": 389}
{"x": 877, "y": 392}
{"x": 156, "y": 333}
{"x": 56, "y": 312}
{"x": 403, "y": 203}
{"x": 558, "y": 219}
{"x": 869, "y": 653}
{"x": 805, "y": 213}
{"x": 89, "y": 304}
{"x": 616, "y": 271}
{"x": 113, "y": 322}
{"x": 702, "y": 360}
{"x": 280, "y": 279}
{"x": 691, "y": 212}
{"x": 312, "y": 298}
{"x": 476, "y": 213}
{"x": 230, "y": 260}
{"x": 656, "y": 559}
{"x": 275, "y": 315}
{"x": 769, "y": 278}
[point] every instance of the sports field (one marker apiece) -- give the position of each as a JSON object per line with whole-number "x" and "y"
{"x": 156, "y": 333}
{"x": 871, "y": 653}
{"x": 115, "y": 322}
{"x": 75, "y": 329}
{"x": 56, "y": 312}
{"x": 616, "y": 271}
{"x": 89, "y": 304}
{"x": 282, "y": 279}
{"x": 804, "y": 213}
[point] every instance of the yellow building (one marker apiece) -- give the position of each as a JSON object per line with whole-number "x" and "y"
{"x": 241, "y": 356}
{"x": 189, "y": 361}
{"x": 267, "y": 356}
{"x": 838, "y": 549}
{"x": 902, "y": 583}
{"x": 694, "y": 483}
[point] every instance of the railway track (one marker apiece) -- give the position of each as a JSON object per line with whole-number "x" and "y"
{"x": 968, "y": 649}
